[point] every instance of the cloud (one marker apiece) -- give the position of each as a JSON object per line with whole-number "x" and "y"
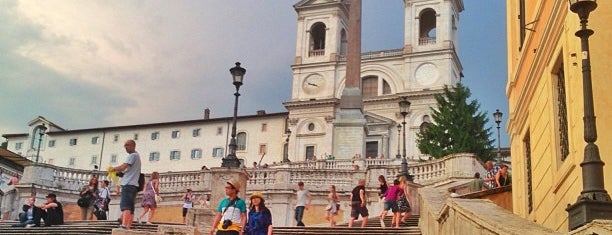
{"x": 97, "y": 63}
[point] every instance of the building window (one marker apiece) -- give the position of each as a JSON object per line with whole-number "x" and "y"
{"x": 51, "y": 143}
{"x": 71, "y": 161}
{"x": 18, "y": 145}
{"x": 263, "y": 149}
{"x": 176, "y": 134}
{"x": 196, "y": 153}
{"x": 95, "y": 140}
{"x": 241, "y": 141}
{"x": 317, "y": 39}
{"x": 310, "y": 152}
{"x": 562, "y": 114}
{"x": 113, "y": 158}
{"x": 175, "y": 155}
{"x": 522, "y": 26}
{"x": 196, "y": 132}
{"x": 94, "y": 160}
{"x": 527, "y": 146}
{"x": 217, "y": 152}
{"x": 135, "y": 136}
{"x": 154, "y": 156}
{"x": 154, "y": 135}
{"x": 116, "y": 138}
{"x": 311, "y": 126}
{"x": 38, "y": 138}
{"x": 219, "y": 130}
{"x": 264, "y": 127}
{"x": 427, "y": 27}
{"x": 369, "y": 86}
{"x": 73, "y": 141}
{"x": 371, "y": 149}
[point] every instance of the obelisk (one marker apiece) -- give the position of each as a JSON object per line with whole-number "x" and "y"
{"x": 349, "y": 124}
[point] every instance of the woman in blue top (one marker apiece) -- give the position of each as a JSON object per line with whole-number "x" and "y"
{"x": 259, "y": 218}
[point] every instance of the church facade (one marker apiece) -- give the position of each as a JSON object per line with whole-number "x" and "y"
{"x": 421, "y": 69}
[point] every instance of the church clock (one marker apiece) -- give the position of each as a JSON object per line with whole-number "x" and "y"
{"x": 313, "y": 84}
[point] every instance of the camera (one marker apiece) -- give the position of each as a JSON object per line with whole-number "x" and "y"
{"x": 120, "y": 174}
{"x": 226, "y": 223}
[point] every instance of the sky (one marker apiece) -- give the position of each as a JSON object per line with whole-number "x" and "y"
{"x": 95, "y": 63}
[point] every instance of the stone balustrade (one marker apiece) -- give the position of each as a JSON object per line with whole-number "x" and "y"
{"x": 277, "y": 183}
{"x": 282, "y": 176}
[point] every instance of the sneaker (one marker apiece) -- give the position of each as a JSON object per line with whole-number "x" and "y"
{"x": 123, "y": 227}
{"x": 139, "y": 221}
{"x": 382, "y": 223}
{"x": 30, "y": 225}
{"x": 149, "y": 222}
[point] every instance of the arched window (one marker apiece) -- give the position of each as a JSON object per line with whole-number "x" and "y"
{"x": 427, "y": 27}
{"x": 317, "y": 39}
{"x": 369, "y": 86}
{"x": 241, "y": 141}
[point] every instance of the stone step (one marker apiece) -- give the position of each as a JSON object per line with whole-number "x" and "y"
{"x": 344, "y": 231}
{"x": 74, "y": 227}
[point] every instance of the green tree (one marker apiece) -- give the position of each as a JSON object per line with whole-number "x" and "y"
{"x": 4, "y": 144}
{"x": 458, "y": 126}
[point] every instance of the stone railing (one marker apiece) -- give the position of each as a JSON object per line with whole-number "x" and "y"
{"x": 427, "y": 40}
{"x": 441, "y": 214}
{"x": 316, "y": 173}
{"x": 377, "y": 54}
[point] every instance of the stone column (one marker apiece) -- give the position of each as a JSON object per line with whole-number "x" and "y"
{"x": 202, "y": 218}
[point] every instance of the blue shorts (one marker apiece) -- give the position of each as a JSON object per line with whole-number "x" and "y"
{"x": 128, "y": 197}
{"x": 392, "y": 205}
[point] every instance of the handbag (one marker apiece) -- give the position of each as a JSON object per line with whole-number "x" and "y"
{"x": 402, "y": 204}
{"x": 83, "y": 202}
{"x": 158, "y": 199}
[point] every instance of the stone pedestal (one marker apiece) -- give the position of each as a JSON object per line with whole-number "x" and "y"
{"x": 349, "y": 134}
{"x": 202, "y": 218}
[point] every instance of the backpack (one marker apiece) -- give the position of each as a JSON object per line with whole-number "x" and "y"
{"x": 141, "y": 182}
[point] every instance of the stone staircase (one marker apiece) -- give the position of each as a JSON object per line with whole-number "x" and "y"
{"x": 73, "y": 227}
{"x": 106, "y": 227}
{"x": 372, "y": 228}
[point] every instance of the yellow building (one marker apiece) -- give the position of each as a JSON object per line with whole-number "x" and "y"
{"x": 545, "y": 96}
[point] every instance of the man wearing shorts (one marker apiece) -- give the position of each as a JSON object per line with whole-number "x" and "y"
{"x": 129, "y": 183}
{"x": 358, "y": 205}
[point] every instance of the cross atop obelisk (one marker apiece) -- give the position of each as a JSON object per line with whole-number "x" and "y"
{"x": 349, "y": 124}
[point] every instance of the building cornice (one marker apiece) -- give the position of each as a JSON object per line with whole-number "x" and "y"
{"x": 147, "y": 125}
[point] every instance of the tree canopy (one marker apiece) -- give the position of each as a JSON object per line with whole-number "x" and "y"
{"x": 457, "y": 126}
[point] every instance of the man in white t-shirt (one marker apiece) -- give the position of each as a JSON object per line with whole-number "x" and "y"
{"x": 302, "y": 203}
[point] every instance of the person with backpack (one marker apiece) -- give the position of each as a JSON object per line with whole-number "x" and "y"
{"x": 131, "y": 168}
{"x": 103, "y": 201}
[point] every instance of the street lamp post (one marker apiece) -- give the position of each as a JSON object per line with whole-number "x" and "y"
{"x": 594, "y": 201}
{"x": 404, "y": 107}
{"x": 41, "y": 131}
{"x": 498, "y": 118}
{"x": 399, "y": 131}
{"x": 231, "y": 161}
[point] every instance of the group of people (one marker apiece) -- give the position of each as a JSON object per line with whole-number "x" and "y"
{"x": 50, "y": 212}
{"x": 396, "y": 198}
{"x": 496, "y": 176}
{"x": 232, "y": 217}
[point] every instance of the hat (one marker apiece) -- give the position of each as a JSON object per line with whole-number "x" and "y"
{"x": 257, "y": 194}
{"x": 189, "y": 189}
{"x": 51, "y": 195}
{"x": 234, "y": 183}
